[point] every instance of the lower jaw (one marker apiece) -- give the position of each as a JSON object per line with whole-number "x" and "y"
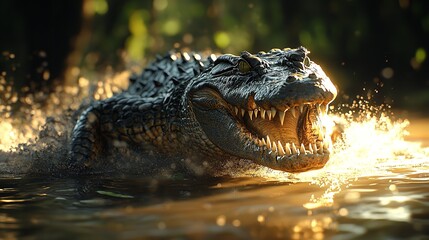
{"x": 300, "y": 163}
{"x": 291, "y": 158}
{"x": 288, "y": 149}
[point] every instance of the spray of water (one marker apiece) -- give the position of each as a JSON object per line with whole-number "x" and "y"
{"x": 36, "y": 125}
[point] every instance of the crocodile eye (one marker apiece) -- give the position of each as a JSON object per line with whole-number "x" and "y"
{"x": 244, "y": 66}
{"x": 307, "y": 62}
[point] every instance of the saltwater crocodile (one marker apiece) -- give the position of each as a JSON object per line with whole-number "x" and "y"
{"x": 265, "y": 107}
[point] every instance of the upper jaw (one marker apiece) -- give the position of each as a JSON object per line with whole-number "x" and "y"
{"x": 282, "y": 93}
{"x": 284, "y": 130}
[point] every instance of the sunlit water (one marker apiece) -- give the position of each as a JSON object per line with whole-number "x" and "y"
{"x": 374, "y": 187}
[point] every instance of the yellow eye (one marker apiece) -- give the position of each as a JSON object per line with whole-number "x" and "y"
{"x": 244, "y": 66}
{"x": 307, "y": 62}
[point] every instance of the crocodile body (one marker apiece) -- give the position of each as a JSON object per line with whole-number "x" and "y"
{"x": 265, "y": 107}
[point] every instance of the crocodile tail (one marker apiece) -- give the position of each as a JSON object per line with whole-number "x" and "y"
{"x": 86, "y": 141}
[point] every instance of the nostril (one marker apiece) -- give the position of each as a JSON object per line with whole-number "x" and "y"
{"x": 312, "y": 76}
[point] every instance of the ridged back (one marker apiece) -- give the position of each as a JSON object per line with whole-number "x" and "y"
{"x": 166, "y": 72}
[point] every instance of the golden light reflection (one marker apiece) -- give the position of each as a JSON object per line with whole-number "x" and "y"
{"x": 343, "y": 212}
{"x": 260, "y": 218}
{"x": 393, "y": 214}
{"x": 236, "y": 223}
{"x": 13, "y": 200}
{"x": 312, "y": 228}
{"x": 5, "y": 218}
{"x": 23, "y": 125}
{"x": 386, "y": 200}
{"x": 221, "y": 220}
{"x": 8, "y": 222}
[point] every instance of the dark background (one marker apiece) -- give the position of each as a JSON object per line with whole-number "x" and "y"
{"x": 377, "y": 49}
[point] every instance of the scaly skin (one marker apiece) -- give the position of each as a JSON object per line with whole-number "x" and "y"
{"x": 268, "y": 108}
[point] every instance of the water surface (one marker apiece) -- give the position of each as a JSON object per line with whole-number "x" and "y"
{"x": 370, "y": 207}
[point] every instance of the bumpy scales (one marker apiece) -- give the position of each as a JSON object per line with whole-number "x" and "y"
{"x": 268, "y": 108}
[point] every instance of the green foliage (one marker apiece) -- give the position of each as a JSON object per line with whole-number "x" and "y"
{"x": 353, "y": 40}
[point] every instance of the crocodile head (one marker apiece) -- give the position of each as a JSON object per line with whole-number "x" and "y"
{"x": 267, "y": 107}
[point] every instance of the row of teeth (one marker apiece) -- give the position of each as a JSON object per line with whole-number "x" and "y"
{"x": 270, "y": 114}
{"x": 291, "y": 149}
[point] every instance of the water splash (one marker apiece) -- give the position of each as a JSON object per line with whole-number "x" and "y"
{"x": 36, "y": 125}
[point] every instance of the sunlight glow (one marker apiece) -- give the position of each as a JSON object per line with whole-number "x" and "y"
{"x": 392, "y": 199}
{"x": 25, "y": 126}
{"x": 393, "y": 214}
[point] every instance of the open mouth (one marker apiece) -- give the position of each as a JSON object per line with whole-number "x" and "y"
{"x": 295, "y": 130}
{"x": 291, "y": 131}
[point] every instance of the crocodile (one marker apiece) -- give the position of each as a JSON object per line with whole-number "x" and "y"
{"x": 266, "y": 107}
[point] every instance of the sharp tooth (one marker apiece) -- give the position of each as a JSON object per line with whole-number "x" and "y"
{"x": 302, "y": 149}
{"x": 282, "y": 117}
{"x": 262, "y": 113}
{"x": 294, "y": 151}
{"x": 268, "y": 142}
{"x": 236, "y": 110}
{"x": 250, "y": 114}
{"x": 274, "y": 146}
{"x": 301, "y": 108}
{"x": 288, "y": 150}
{"x": 318, "y": 109}
{"x": 243, "y": 112}
{"x": 320, "y": 136}
{"x": 263, "y": 141}
{"x": 314, "y": 148}
{"x": 292, "y": 110}
{"x": 326, "y": 146}
{"x": 320, "y": 148}
{"x": 280, "y": 147}
{"x": 269, "y": 114}
{"x": 273, "y": 112}
{"x": 256, "y": 112}
{"x": 310, "y": 148}
{"x": 323, "y": 108}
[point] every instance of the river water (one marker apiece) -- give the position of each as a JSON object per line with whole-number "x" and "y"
{"x": 376, "y": 186}
{"x": 393, "y": 206}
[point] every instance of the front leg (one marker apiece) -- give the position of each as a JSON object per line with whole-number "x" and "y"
{"x": 112, "y": 122}
{"x": 86, "y": 140}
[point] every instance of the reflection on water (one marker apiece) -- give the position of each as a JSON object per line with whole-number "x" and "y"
{"x": 394, "y": 206}
{"x": 375, "y": 186}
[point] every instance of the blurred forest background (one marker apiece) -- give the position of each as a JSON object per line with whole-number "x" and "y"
{"x": 373, "y": 48}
